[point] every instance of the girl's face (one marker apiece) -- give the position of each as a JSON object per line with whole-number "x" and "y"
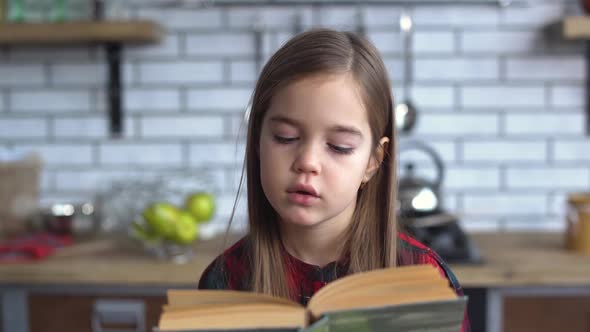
{"x": 315, "y": 150}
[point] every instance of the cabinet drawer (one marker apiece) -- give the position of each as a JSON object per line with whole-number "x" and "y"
{"x": 74, "y": 313}
{"x": 546, "y": 313}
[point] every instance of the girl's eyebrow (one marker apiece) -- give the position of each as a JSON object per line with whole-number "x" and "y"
{"x": 337, "y": 128}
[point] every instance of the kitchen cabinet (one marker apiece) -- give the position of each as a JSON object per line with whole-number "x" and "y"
{"x": 527, "y": 275}
{"x": 545, "y": 313}
{"x": 92, "y": 313}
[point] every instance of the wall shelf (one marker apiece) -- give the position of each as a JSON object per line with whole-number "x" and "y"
{"x": 578, "y": 28}
{"x": 110, "y": 34}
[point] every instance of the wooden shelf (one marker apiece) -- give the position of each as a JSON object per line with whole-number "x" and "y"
{"x": 110, "y": 34}
{"x": 80, "y": 32}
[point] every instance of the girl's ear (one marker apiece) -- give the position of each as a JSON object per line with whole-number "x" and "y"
{"x": 376, "y": 160}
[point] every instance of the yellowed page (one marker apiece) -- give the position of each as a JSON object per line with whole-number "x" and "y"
{"x": 178, "y": 297}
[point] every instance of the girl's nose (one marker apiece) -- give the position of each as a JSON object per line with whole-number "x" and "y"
{"x": 307, "y": 160}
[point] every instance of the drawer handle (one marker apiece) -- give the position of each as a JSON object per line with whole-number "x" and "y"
{"x": 121, "y": 312}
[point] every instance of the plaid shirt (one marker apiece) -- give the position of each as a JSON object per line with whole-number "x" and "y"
{"x": 231, "y": 270}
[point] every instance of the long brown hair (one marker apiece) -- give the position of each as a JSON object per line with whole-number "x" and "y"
{"x": 370, "y": 240}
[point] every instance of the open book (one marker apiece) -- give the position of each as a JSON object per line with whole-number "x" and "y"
{"x": 408, "y": 298}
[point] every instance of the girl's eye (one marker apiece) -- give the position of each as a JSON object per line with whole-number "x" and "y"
{"x": 340, "y": 149}
{"x": 284, "y": 140}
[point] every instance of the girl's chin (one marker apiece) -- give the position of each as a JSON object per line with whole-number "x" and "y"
{"x": 299, "y": 221}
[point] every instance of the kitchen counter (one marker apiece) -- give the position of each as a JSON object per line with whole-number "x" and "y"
{"x": 510, "y": 259}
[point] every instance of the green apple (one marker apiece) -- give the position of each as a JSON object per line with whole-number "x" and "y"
{"x": 141, "y": 231}
{"x": 186, "y": 230}
{"x": 161, "y": 217}
{"x": 201, "y": 206}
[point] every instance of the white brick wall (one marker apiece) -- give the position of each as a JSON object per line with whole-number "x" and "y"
{"x": 500, "y": 42}
{"x": 22, "y": 128}
{"x": 138, "y": 154}
{"x": 457, "y": 69}
{"x": 44, "y": 101}
{"x": 180, "y": 72}
{"x": 78, "y": 74}
{"x": 504, "y": 96}
{"x": 31, "y": 74}
{"x": 499, "y": 99}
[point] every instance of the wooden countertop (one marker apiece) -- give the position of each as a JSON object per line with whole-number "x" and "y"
{"x": 510, "y": 259}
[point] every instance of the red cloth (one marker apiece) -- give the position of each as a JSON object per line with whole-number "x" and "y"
{"x": 231, "y": 270}
{"x": 32, "y": 247}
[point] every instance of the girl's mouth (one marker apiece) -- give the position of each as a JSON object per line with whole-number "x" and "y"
{"x": 302, "y": 198}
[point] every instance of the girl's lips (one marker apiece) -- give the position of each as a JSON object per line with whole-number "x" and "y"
{"x": 302, "y": 199}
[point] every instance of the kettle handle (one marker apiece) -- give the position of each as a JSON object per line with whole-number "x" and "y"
{"x": 417, "y": 145}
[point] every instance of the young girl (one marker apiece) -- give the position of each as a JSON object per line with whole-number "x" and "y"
{"x": 320, "y": 169}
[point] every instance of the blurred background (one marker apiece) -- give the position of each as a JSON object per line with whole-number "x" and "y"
{"x": 118, "y": 117}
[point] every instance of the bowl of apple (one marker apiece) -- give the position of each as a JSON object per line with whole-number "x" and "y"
{"x": 168, "y": 231}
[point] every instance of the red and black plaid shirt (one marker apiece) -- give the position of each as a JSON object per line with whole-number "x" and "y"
{"x": 231, "y": 270}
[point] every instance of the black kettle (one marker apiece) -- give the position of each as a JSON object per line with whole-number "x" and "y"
{"x": 419, "y": 197}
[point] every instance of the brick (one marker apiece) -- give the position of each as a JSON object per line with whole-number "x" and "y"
{"x": 53, "y": 101}
{"x": 462, "y": 177}
{"x": 445, "y": 149}
{"x": 242, "y": 72}
{"x": 433, "y": 96}
{"x": 340, "y": 18}
{"x": 382, "y": 17}
{"x": 238, "y": 126}
{"x": 61, "y": 154}
{"x": 395, "y": 70}
{"x": 87, "y": 74}
{"x": 226, "y": 204}
{"x": 21, "y": 75}
{"x": 269, "y": 17}
{"x": 82, "y": 180}
{"x": 180, "y": 72}
{"x": 439, "y": 42}
{"x": 571, "y": 150}
{"x": 140, "y": 100}
{"x": 168, "y": 47}
{"x": 181, "y": 19}
{"x": 455, "y": 16}
{"x": 457, "y": 70}
{"x": 503, "y": 96}
{"x": 40, "y": 54}
{"x": 196, "y": 179}
{"x": 453, "y": 124}
{"x": 15, "y": 128}
{"x": 82, "y": 127}
{"x": 387, "y": 42}
{"x": 140, "y": 154}
{"x": 502, "y": 204}
{"x": 181, "y": 126}
{"x": 550, "y": 68}
{"x": 220, "y": 44}
{"x": 505, "y": 151}
{"x": 537, "y": 16}
{"x": 548, "y": 178}
{"x": 545, "y": 124}
{"x": 229, "y": 99}
{"x": 558, "y": 204}
{"x": 216, "y": 154}
{"x": 567, "y": 96}
{"x": 498, "y": 42}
